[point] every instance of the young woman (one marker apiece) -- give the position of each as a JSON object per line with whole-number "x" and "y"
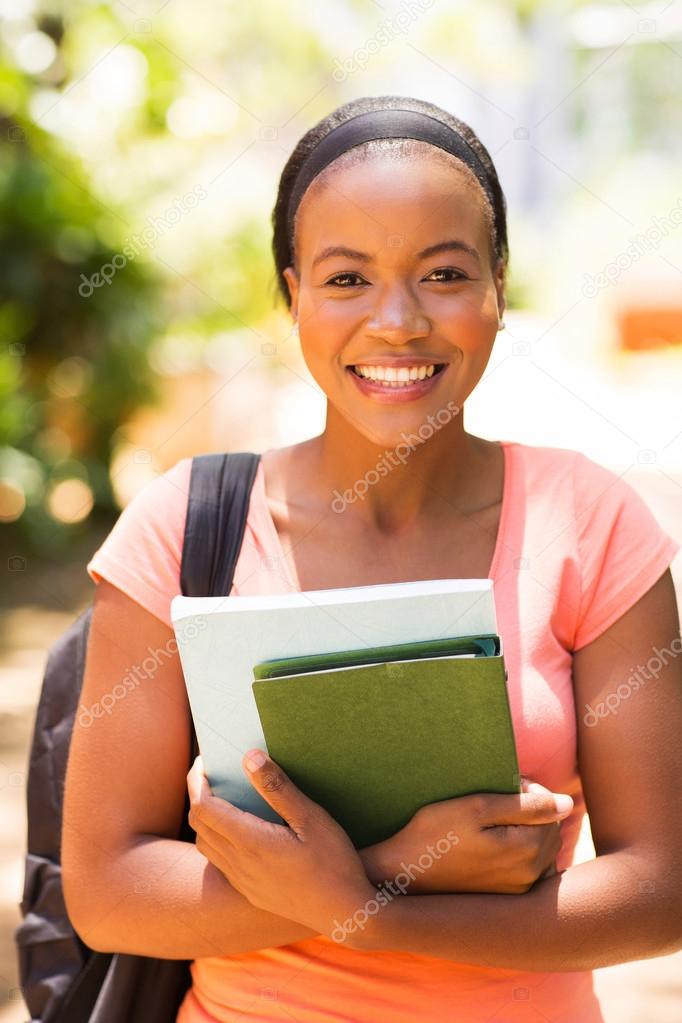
{"x": 391, "y": 249}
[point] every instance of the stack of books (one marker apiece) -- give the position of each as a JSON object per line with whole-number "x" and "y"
{"x": 375, "y": 700}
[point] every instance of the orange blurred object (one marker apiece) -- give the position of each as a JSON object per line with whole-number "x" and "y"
{"x": 644, "y": 327}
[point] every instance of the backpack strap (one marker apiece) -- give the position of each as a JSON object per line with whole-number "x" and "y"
{"x": 219, "y": 495}
{"x": 218, "y": 504}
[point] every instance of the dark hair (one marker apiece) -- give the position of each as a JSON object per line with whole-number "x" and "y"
{"x": 283, "y": 243}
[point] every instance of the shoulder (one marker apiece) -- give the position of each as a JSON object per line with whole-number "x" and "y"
{"x": 143, "y": 552}
{"x": 595, "y": 497}
{"x": 541, "y": 455}
{"x": 544, "y": 464}
{"x": 159, "y": 508}
{"x": 599, "y": 526}
{"x": 171, "y": 483}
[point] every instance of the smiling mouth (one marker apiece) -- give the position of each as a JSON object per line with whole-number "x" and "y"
{"x": 397, "y": 377}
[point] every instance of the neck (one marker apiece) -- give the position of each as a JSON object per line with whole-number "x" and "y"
{"x": 391, "y": 488}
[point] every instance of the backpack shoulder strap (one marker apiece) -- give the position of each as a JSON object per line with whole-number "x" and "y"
{"x": 219, "y": 495}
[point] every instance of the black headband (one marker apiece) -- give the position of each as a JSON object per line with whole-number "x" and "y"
{"x": 381, "y": 124}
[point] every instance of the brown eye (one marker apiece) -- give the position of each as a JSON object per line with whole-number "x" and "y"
{"x": 458, "y": 275}
{"x": 344, "y": 276}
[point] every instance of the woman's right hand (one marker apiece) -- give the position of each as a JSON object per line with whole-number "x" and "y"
{"x": 479, "y": 843}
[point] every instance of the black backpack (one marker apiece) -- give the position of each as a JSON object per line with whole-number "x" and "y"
{"x": 62, "y": 979}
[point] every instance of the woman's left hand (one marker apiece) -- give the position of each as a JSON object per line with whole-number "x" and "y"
{"x": 309, "y": 872}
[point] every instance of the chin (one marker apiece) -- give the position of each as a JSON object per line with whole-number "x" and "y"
{"x": 400, "y": 440}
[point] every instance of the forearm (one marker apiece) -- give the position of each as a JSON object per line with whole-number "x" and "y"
{"x": 162, "y": 898}
{"x": 616, "y": 908}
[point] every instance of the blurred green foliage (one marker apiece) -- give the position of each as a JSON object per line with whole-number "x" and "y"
{"x": 72, "y": 368}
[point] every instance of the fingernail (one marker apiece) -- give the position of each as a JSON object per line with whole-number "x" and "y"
{"x": 563, "y": 804}
{"x": 255, "y": 759}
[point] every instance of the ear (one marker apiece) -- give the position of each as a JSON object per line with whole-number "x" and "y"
{"x": 500, "y": 275}
{"x": 291, "y": 277}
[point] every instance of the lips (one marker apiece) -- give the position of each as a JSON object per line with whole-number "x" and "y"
{"x": 393, "y": 391}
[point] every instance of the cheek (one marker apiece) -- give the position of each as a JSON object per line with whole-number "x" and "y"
{"x": 321, "y": 357}
{"x": 477, "y": 310}
{"x": 325, "y": 314}
{"x": 324, "y": 331}
{"x": 472, "y": 328}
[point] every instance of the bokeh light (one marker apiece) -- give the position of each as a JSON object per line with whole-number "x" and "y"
{"x": 35, "y": 52}
{"x": 70, "y": 501}
{"x": 12, "y": 501}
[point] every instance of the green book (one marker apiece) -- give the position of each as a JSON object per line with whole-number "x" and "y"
{"x": 374, "y": 734}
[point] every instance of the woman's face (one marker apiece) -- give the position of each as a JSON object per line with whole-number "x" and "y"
{"x": 387, "y": 303}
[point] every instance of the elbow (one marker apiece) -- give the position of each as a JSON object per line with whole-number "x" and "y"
{"x": 92, "y": 940}
{"x": 82, "y": 905}
{"x": 87, "y": 923}
{"x": 75, "y": 909}
{"x": 652, "y": 887}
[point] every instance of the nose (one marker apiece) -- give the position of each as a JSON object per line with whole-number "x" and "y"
{"x": 396, "y": 316}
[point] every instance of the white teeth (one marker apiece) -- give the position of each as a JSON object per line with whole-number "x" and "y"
{"x": 392, "y": 376}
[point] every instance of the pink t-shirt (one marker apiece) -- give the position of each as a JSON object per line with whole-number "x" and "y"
{"x": 576, "y": 548}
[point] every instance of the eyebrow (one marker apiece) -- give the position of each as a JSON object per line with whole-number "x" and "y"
{"x": 453, "y": 244}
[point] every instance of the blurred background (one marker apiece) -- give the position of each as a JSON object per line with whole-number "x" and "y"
{"x": 140, "y": 148}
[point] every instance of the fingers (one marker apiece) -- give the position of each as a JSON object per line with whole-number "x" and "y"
{"x": 279, "y": 791}
{"x": 533, "y": 786}
{"x": 197, "y": 782}
{"x": 562, "y": 802}
{"x": 537, "y": 805}
{"x": 210, "y": 846}
{"x": 209, "y": 811}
